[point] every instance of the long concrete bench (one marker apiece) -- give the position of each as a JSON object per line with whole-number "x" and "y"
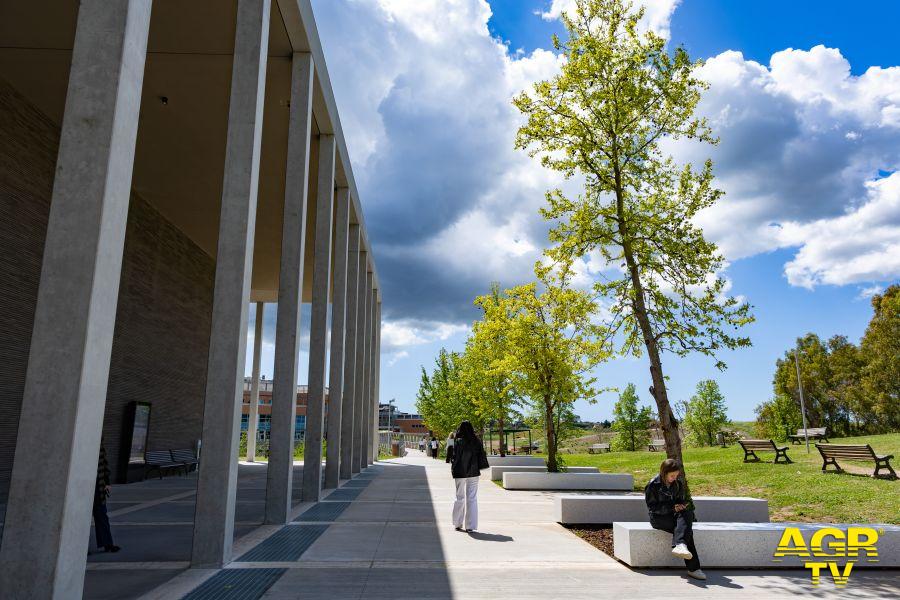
{"x": 516, "y": 461}
{"x": 568, "y": 481}
{"x": 496, "y": 473}
{"x": 743, "y": 545}
{"x": 618, "y": 507}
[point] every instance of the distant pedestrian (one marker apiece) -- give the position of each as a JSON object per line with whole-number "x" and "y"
{"x": 101, "y": 492}
{"x": 469, "y": 459}
{"x": 422, "y": 444}
{"x": 450, "y": 447}
{"x": 668, "y": 506}
{"x": 434, "y": 448}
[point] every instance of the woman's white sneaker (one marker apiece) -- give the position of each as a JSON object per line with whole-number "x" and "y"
{"x": 698, "y": 574}
{"x": 681, "y": 551}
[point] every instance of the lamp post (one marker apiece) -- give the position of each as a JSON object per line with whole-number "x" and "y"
{"x": 800, "y": 388}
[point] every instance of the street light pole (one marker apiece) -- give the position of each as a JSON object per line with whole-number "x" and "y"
{"x": 800, "y": 388}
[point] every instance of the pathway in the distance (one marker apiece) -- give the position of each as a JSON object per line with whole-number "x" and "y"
{"x": 388, "y": 534}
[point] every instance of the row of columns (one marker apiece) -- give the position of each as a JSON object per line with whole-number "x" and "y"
{"x": 48, "y": 515}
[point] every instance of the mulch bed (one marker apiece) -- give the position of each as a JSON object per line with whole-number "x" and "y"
{"x": 598, "y": 536}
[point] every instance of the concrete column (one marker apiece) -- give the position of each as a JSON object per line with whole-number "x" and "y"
{"x": 214, "y": 515}
{"x": 376, "y": 369}
{"x": 370, "y": 386}
{"x": 318, "y": 329}
{"x": 338, "y": 326}
{"x": 366, "y": 433}
{"x": 348, "y": 409}
{"x": 49, "y": 505}
{"x": 358, "y": 404}
{"x": 253, "y": 416}
{"x": 279, "y": 476}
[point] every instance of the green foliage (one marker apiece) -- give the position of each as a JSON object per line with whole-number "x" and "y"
{"x": 483, "y": 372}
{"x": 621, "y": 93}
{"x": 553, "y": 344}
{"x": 630, "y": 421}
{"x": 706, "y": 413}
{"x": 443, "y": 400}
{"x": 778, "y": 417}
{"x": 879, "y": 400}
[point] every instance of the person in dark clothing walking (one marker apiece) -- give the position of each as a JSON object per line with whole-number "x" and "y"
{"x": 468, "y": 460}
{"x": 669, "y": 511}
{"x": 435, "y": 446}
{"x": 101, "y": 491}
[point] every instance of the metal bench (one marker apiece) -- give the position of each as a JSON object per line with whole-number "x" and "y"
{"x": 185, "y": 457}
{"x": 598, "y": 448}
{"x": 861, "y": 452}
{"x": 656, "y": 445}
{"x": 815, "y": 433}
{"x": 751, "y": 447}
{"x": 160, "y": 461}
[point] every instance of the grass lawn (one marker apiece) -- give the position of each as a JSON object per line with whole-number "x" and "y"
{"x": 796, "y": 492}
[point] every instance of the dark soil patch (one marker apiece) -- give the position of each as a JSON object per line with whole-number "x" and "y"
{"x": 598, "y": 536}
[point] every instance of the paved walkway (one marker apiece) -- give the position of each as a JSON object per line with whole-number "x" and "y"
{"x": 387, "y": 534}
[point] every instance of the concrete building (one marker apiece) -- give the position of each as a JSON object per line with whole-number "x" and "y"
{"x": 148, "y": 151}
{"x": 397, "y": 421}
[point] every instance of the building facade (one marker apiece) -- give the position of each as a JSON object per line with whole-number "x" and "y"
{"x": 148, "y": 151}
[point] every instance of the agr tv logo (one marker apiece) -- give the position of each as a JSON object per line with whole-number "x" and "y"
{"x": 830, "y": 544}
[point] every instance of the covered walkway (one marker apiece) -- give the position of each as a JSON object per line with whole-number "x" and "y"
{"x": 387, "y": 534}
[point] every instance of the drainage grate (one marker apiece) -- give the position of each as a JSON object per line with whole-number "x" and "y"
{"x": 286, "y": 544}
{"x": 357, "y": 483}
{"x": 236, "y": 584}
{"x": 345, "y": 494}
{"x": 324, "y": 511}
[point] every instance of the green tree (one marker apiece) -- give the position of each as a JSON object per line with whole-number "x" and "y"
{"x": 553, "y": 344}
{"x": 621, "y": 93}
{"x": 706, "y": 413}
{"x": 880, "y": 353}
{"x": 778, "y": 416}
{"x": 830, "y": 375}
{"x": 630, "y": 421}
{"x": 484, "y": 372}
{"x": 442, "y": 400}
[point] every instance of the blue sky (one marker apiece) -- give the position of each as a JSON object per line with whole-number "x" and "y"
{"x": 810, "y": 223}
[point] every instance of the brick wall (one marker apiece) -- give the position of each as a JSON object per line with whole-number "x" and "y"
{"x": 165, "y": 299}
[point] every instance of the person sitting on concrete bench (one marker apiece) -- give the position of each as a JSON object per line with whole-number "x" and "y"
{"x": 667, "y": 503}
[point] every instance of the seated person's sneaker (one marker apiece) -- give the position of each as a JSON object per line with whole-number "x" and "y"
{"x": 698, "y": 574}
{"x": 681, "y": 551}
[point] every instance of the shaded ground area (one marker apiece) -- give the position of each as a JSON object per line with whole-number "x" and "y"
{"x": 152, "y": 521}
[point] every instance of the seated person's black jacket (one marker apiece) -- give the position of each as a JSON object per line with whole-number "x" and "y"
{"x": 661, "y": 499}
{"x": 468, "y": 458}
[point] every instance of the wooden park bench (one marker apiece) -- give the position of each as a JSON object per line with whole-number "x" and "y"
{"x": 861, "y": 452}
{"x": 185, "y": 457}
{"x": 815, "y": 433}
{"x": 160, "y": 461}
{"x": 598, "y": 448}
{"x": 656, "y": 445}
{"x": 751, "y": 447}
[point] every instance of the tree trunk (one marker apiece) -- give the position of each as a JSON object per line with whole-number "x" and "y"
{"x": 667, "y": 421}
{"x": 552, "y": 465}
{"x": 502, "y": 436}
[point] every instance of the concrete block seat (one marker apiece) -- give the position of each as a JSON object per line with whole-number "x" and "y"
{"x": 568, "y": 481}
{"x": 516, "y": 461}
{"x": 496, "y": 473}
{"x": 747, "y": 545}
{"x": 620, "y": 507}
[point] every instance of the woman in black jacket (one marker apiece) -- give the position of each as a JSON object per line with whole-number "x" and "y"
{"x": 468, "y": 460}
{"x": 667, "y": 503}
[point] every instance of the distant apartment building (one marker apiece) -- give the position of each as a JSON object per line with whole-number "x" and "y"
{"x": 265, "y": 409}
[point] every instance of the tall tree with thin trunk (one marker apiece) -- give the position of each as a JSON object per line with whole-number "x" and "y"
{"x": 483, "y": 371}
{"x": 621, "y": 94}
